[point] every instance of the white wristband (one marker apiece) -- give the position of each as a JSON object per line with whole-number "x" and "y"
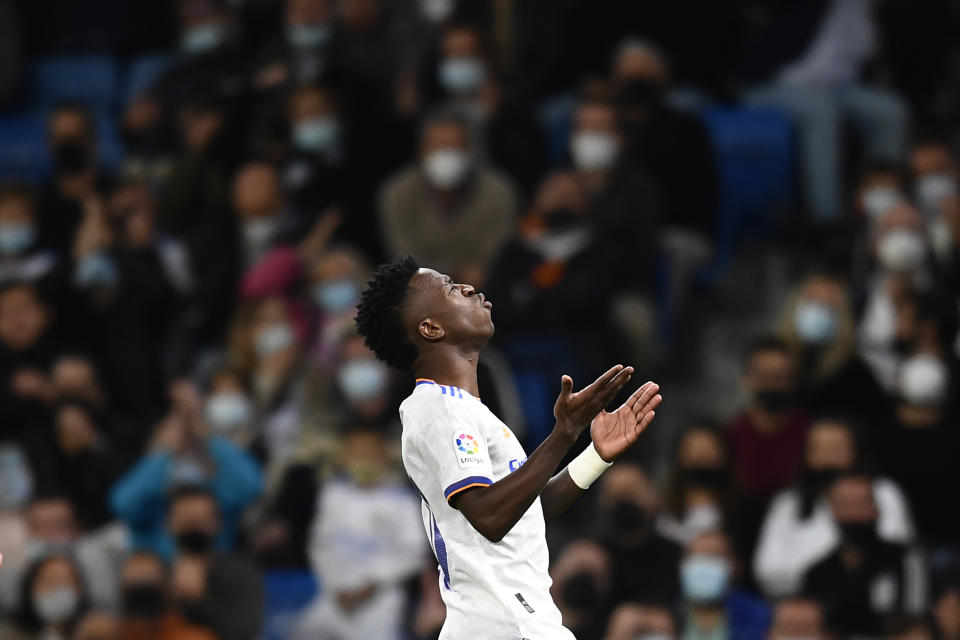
{"x": 587, "y": 467}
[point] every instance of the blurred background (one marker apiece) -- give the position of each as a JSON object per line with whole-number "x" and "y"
{"x": 755, "y": 202}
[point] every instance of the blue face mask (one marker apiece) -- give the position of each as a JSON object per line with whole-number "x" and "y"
{"x": 96, "y": 270}
{"x": 461, "y": 75}
{"x": 335, "y": 296}
{"x": 308, "y": 36}
{"x": 704, "y": 578}
{"x": 15, "y": 237}
{"x": 203, "y": 38}
{"x": 317, "y": 134}
{"x": 815, "y": 322}
{"x": 16, "y": 482}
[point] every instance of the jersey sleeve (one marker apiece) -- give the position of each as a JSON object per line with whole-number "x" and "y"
{"x": 454, "y": 453}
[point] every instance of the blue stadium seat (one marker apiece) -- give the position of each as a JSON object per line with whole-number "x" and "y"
{"x": 91, "y": 79}
{"x": 23, "y": 153}
{"x": 143, "y": 72}
{"x": 755, "y": 158}
{"x": 287, "y": 593}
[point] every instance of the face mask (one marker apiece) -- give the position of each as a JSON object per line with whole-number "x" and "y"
{"x": 273, "y": 339}
{"x": 706, "y": 477}
{"x": 308, "y": 36}
{"x": 815, "y": 322}
{"x": 362, "y": 379}
{"x": 819, "y": 480}
{"x": 628, "y": 516}
{"x": 922, "y": 380}
{"x": 16, "y": 483}
{"x": 259, "y": 231}
{"x": 461, "y": 75}
{"x": 774, "y": 400}
{"x": 859, "y": 534}
{"x": 436, "y": 10}
{"x": 653, "y": 636}
{"x": 203, "y": 38}
{"x": 317, "y": 134}
{"x": 335, "y": 296}
{"x": 144, "y": 601}
{"x": 593, "y": 151}
{"x": 194, "y": 541}
{"x": 446, "y": 168}
{"x": 15, "y": 237}
{"x": 57, "y": 605}
{"x": 704, "y": 578}
{"x": 364, "y": 474}
{"x": 932, "y": 189}
{"x": 227, "y": 411}
{"x": 640, "y": 93}
{"x": 580, "y": 592}
{"x": 878, "y": 200}
{"x": 901, "y": 250}
{"x": 71, "y": 157}
{"x": 96, "y": 270}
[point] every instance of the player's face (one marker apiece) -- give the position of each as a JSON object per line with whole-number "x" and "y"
{"x": 464, "y": 313}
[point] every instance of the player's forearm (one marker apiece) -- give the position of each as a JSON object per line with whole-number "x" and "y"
{"x": 494, "y": 510}
{"x": 558, "y": 495}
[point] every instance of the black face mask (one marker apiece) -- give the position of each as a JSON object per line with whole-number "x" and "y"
{"x": 640, "y": 94}
{"x": 706, "y": 477}
{"x": 628, "y": 517}
{"x": 819, "y": 480}
{"x": 580, "y": 592}
{"x": 862, "y": 535}
{"x": 71, "y": 157}
{"x": 194, "y": 541}
{"x": 144, "y": 601}
{"x": 561, "y": 219}
{"x": 774, "y": 400}
{"x": 902, "y": 346}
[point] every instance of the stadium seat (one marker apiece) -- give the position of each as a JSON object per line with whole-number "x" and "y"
{"x": 91, "y": 79}
{"x": 142, "y": 72}
{"x": 755, "y": 158}
{"x": 287, "y": 593}
{"x": 23, "y": 154}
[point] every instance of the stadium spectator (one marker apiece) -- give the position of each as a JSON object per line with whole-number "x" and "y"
{"x": 630, "y": 621}
{"x": 335, "y": 282}
{"x": 797, "y": 617}
{"x": 583, "y": 587}
{"x": 449, "y": 211}
{"x": 301, "y": 54}
{"x": 263, "y": 217}
{"x": 864, "y": 579}
{"x": 22, "y": 258}
{"x": 713, "y": 604}
{"x": 213, "y": 588}
{"x": 798, "y": 529}
{"x": 52, "y": 599}
{"x": 935, "y": 172}
{"x": 148, "y": 610}
{"x": 628, "y": 508}
{"x": 365, "y": 542}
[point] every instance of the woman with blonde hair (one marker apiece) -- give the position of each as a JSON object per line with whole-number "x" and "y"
{"x": 818, "y": 325}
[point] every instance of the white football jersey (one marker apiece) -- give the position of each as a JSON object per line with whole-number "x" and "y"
{"x": 493, "y": 591}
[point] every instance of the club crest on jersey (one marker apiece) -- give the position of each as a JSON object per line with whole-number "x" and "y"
{"x": 467, "y": 449}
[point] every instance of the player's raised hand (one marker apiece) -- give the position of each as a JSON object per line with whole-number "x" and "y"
{"x": 575, "y": 410}
{"x": 614, "y": 432}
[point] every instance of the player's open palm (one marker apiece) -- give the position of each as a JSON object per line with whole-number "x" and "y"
{"x": 575, "y": 410}
{"x": 615, "y": 432}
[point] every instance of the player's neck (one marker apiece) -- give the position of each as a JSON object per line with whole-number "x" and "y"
{"x": 450, "y": 367}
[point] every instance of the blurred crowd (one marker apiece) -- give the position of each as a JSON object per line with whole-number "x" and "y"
{"x": 185, "y": 407}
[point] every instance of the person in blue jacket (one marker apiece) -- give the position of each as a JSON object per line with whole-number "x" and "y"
{"x": 179, "y": 455}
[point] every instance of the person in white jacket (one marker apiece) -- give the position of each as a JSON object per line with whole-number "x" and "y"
{"x": 799, "y": 530}
{"x": 365, "y": 541}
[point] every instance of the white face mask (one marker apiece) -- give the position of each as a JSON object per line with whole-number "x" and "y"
{"x": 362, "y": 379}
{"x": 272, "y": 339}
{"x": 815, "y": 322}
{"x": 227, "y": 411}
{"x": 923, "y": 380}
{"x": 57, "y": 605}
{"x": 462, "y": 74}
{"x": 593, "y": 150}
{"x": 653, "y": 636}
{"x": 932, "y": 189}
{"x": 446, "y": 168}
{"x": 878, "y": 200}
{"x": 901, "y": 250}
{"x": 704, "y": 578}
{"x": 260, "y": 231}
{"x": 317, "y": 134}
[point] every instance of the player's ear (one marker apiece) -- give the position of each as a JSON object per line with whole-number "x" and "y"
{"x": 430, "y": 330}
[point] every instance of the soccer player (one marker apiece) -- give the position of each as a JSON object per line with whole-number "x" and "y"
{"x": 484, "y": 501}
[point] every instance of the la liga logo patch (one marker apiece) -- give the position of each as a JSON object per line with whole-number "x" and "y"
{"x": 466, "y": 446}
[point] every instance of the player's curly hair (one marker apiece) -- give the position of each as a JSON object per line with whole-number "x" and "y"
{"x": 378, "y": 314}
